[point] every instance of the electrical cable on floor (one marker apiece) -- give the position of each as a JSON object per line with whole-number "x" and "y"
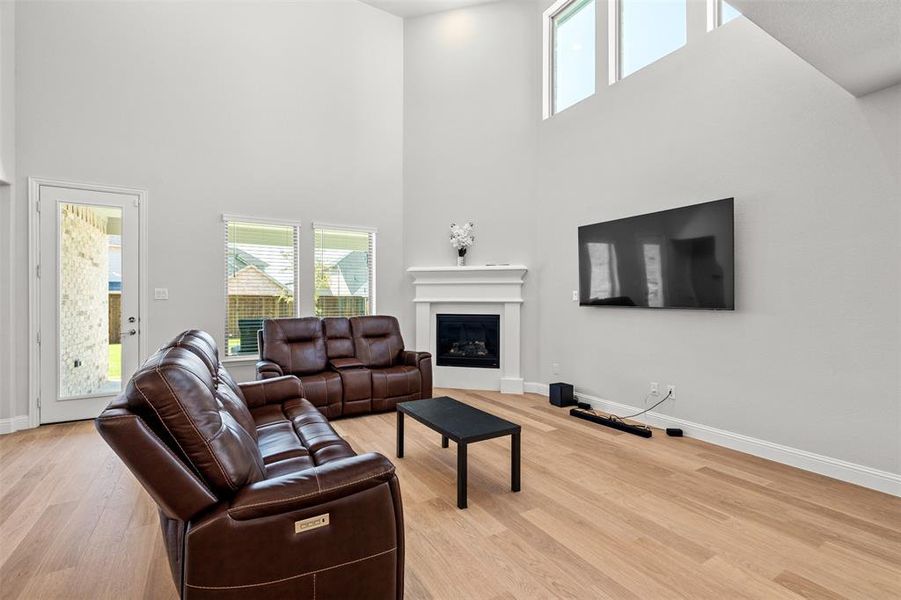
{"x": 668, "y": 394}
{"x": 618, "y": 418}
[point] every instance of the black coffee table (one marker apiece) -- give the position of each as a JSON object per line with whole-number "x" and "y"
{"x": 463, "y": 424}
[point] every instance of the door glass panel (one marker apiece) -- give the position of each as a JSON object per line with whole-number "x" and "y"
{"x": 90, "y": 287}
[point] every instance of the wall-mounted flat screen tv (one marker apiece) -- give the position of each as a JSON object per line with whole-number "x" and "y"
{"x": 678, "y": 258}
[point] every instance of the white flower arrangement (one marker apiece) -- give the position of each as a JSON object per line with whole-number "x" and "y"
{"x": 461, "y": 237}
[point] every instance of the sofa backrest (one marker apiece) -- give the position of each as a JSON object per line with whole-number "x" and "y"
{"x": 297, "y": 345}
{"x": 377, "y": 340}
{"x": 175, "y": 392}
{"x": 227, "y": 390}
{"x": 339, "y": 342}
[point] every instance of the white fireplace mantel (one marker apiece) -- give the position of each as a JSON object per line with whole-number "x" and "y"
{"x": 486, "y": 289}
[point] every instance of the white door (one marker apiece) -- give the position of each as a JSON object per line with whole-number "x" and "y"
{"x": 88, "y": 296}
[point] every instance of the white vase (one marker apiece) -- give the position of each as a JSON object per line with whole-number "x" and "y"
{"x": 461, "y": 260}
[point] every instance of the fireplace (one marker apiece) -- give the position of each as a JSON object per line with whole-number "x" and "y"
{"x": 468, "y": 341}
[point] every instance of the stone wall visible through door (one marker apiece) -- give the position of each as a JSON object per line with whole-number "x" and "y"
{"x": 83, "y": 301}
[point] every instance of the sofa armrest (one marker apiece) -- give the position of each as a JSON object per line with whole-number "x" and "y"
{"x": 423, "y": 362}
{"x": 342, "y": 364}
{"x": 413, "y": 359}
{"x": 266, "y": 369}
{"x": 271, "y": 391}
{"x": 311, "y": 486}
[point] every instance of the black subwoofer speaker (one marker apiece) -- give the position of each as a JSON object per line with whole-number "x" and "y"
{"x": 561, "y": 394}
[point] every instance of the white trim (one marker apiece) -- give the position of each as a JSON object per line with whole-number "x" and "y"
{"x": 467, "y": 268}
{"x": 240, "y": 359}
{"x": 883, "y": 481}
{"x": 34, "y": 295}
{"x": 334, "y": 227}
{"x": 298, "y": 234}
{"x": 714, "y": 10}
{"x": 533, "y": 387}
{"x": 14, "y": 424}
{"x": 373, "y": 232}
{"x": 226, "y": 217}
{"x": 495, "y": 289}
{"x": 373, "y": 289}
{"x": 510, "y": 300}
{"x": 613, "y": 33}
{"x": 34, "y": 303}
{"x": 547, "y": 57}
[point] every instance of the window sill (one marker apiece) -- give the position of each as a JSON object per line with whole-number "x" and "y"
{"x": 241, "y": 360}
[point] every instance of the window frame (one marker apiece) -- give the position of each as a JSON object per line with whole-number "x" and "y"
{"x": 232, "y": 218}
{"x": 715, "y": 14}
{"x": 373, "y": 263}
{"x": 549, "y": 57}
{"x": 614, "y": 35}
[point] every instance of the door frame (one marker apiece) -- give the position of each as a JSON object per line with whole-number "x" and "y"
{"x": 34, "y": 287}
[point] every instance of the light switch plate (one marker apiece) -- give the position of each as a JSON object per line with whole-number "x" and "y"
{"x": 160, "y": 293}
{"x": 575, "y": 295}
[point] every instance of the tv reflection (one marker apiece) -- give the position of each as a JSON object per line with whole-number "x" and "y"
{"x": 680, "y": 272}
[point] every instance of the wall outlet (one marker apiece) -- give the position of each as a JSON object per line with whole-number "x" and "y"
{"x": 555, "y": 368}
{"x": 575, "y": 295}
{"x": 671, "y": 390}
{"x": 655, "y": 388}
{"x": 160, "y": 293}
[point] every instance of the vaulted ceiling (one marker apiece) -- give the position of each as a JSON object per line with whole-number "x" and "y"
{"x": 856, "y": 43}
{"x": 417, "y": 8}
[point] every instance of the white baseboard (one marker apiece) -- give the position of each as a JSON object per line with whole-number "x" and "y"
{"x": 883, "y": 481}
{"x": 530, "y": 387}
{"x": 512, "y": 385}
{"x": 13, "y": 424}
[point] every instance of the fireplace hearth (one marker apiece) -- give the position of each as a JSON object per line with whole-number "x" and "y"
{"x": 468, "y": 341}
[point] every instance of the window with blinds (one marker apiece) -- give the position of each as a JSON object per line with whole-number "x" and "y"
{"x": 344, "y": 271}
{"x": 261, "y": 279}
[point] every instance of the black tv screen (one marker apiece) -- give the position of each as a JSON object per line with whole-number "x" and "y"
{"x": 678, "y": 258}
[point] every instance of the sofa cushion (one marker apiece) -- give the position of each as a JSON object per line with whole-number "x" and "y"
{"x": 324, "y": 391}
{"x": 377, "y": 340}
{"x": 289, "y": 466}
{"x": 278, "y": 441}
{"x": 176, "y": 391}
{"x": 267, "y": 414}
{"x": 298, "y": 345}
{"x": 402, "y": 380}
{"x": 315, "y": 432}
{"x": 339, "y": 342}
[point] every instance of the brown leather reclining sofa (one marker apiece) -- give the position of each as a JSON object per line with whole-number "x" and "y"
{"x": 258, "y": 496}
{"x": 347, "y": 366}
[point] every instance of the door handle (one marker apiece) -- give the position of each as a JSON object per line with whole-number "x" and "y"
{"x": 129, "y": 332}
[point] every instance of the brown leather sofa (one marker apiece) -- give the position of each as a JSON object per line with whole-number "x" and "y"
{"x": 258, "y": 496}
{"x": 347, "y": 366}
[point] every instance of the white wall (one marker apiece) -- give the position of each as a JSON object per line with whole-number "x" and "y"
{"x": 810, "y": 358}
{"x": 470, "y": 142}
{"x": 9, "y": 384}
{"x": 281, "y": 110}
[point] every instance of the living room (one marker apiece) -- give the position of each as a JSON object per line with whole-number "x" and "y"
{"x": 245, "y": 169}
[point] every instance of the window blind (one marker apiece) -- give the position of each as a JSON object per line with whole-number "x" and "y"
{"x": 344, "y": 272}
{"x": 260, "y": 279}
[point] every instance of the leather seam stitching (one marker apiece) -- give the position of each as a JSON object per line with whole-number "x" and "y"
{"x": 311, "y": 494}
{"x": 165, "y": 449}
{"x": 298, "y": 576}
{"x": 162, "y": 422}
{"x": 206, "y": 443}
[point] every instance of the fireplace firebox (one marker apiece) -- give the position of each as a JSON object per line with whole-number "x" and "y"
{"x": 468, "y": 341}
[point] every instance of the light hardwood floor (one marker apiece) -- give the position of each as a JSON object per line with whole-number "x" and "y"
{"x": 602, "y": 514}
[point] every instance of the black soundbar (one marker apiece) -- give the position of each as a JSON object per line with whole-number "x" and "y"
{"x": 639, "y": 430}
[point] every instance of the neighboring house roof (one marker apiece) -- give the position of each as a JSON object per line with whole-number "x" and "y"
{"x": 238, "y": 259}
{"x": 251, "y": 281}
